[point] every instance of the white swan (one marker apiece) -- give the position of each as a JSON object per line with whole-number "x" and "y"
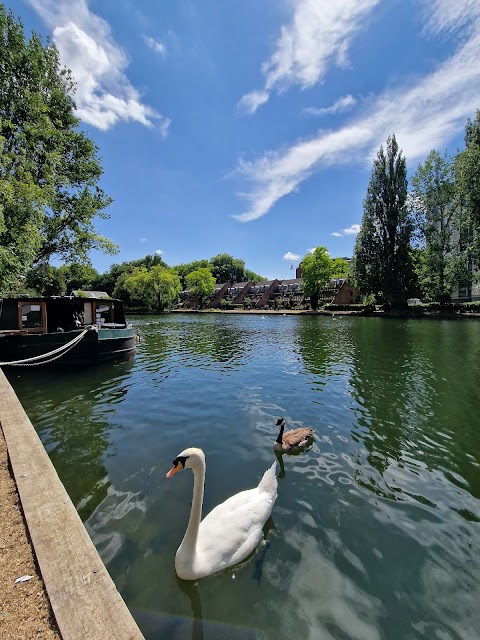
{"x": 231, "y": 531}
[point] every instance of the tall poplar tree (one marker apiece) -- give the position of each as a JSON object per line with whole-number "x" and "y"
{"x": 382, "y": 262}
{"x": 434, "y": 202}
{"x": 49, "y": 169}
{"x": 467, "y": 171}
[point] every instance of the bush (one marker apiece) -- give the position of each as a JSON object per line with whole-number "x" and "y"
{"x": 347, "y": 307}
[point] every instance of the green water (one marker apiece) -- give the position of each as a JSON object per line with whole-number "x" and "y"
{"x": 376, "y": 529}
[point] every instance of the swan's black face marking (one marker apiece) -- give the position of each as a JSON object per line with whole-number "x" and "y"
{"x": 181, "y": 459}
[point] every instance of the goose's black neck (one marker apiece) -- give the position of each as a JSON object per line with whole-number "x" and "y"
{"x": 281, "y": 424}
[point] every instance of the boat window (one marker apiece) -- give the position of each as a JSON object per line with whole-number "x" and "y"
{"x": 103, "y": 313}
{"x": 31, "y": 316}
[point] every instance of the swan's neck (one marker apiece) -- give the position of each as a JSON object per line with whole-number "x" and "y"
{"x": 190, "y": 538}
{"x": 280, "y": 435}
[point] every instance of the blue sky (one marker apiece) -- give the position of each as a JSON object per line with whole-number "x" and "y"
{"x": 251, "y": 127}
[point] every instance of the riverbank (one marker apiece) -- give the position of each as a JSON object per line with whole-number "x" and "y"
{"x": 25, "y": 610}
{"x": 82, "y": 595}
{"x": 396, "y": 313}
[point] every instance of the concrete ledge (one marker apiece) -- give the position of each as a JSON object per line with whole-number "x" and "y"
{"x": 83, "y": 596}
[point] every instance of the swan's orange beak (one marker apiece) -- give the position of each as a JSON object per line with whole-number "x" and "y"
{"x": 174, "y": 470}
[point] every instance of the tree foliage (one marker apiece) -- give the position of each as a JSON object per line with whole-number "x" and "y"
{"x": 157, "y": 288}
{"x": 49, "y": 170}
{"x": 317, "y": 273}
{"x": 435, "y": 206}
{"x": 226, "y": 268}
{"x": 184, "y": 269}
{"x": 201, "y": 283}
{"x": 467, "y": 169}
{"x": 382, "y": 262}
{"x": 341, "y": 268}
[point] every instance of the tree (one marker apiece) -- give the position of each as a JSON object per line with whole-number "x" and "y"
{"x": 434, "y": 202}
{"x": 157, "y": 288}
{"x": 226, "y": 268}
{"x": 317, "y": 273}
{"x": 45, "y": 280}
{"x": 341, "y": 268}
{"x": 79, "y": 276}
{"x": 382, "y": 262}
{"x": 49, "y": 170}
{"x": 201, "y": 283}
{"x": 467, "y": 173}
{"x": 184, "y": 269}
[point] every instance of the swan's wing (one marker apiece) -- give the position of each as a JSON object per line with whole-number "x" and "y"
{"x": 231, "y": 531}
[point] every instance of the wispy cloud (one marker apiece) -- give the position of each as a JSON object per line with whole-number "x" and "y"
{"x": 339, "y": 106}
{"x": 159, "y": 252}
{"x": 143, "y": 240}
{"x": 104, "y": 95}
{"x": 349, "y": 231}
{"x": 250, "y": 102}
{"x": 318, "y": 38}
{"x": 156, "y": 46}
{"x": 422, "y": 115}
{"x": 291, "y": 256}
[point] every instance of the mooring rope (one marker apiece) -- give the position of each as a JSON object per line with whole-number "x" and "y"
{"x": 56, "y": 353}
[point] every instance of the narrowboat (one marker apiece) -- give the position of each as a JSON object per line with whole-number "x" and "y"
{"x": 84, "y": 328}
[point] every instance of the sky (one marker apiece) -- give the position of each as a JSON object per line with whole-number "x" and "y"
{"x": 251, "y": 127}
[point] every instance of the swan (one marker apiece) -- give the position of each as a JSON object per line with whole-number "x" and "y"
{"x": 231, "y": 531}
{"x": 294, "y": 440}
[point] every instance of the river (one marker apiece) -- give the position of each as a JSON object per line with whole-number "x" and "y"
{"x": 376, "y": 530}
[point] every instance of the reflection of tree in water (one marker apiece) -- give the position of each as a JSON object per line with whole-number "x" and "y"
{"x": 323, "y": 344}
{"x": 201, "y": 335}
{"x": 218, "y": 341}
{"x": 401, "y": 382}
{"x": 70, "y": 413}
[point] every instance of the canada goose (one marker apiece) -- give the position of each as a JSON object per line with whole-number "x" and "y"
{"x": 231, "y": 531}
{"x": 293, "y": 440}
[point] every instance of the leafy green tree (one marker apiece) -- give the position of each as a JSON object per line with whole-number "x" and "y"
{"x": 201, "y": 283}
{"x": 382, "y": 262}
{"x": 341, "y": 268}
{"x": 49, "y": 170}
{"x": 108, "y": 281}
{"x": 226, "y": 268}
{"x": 251, "y": 276}
{"x": 157, "y": 288}
{"x": 184, "y": 269}
{"x": 79, "y": 276}
{"x": 45, "y": 280}
{"x": 434, "y": 202}
{"x": 317, "y": 273}
{"x": 467, "y": 173}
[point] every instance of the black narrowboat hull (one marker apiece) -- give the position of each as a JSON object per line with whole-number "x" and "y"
{"x": 96, "y": 346}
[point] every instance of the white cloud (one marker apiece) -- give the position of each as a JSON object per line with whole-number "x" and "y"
{"x": 143, "y": 240}
{"x": 250, "y": 102}
{"x": 318, "y": 37}
{"x": 291, "y": 256}
{"x": 423, "y": 116}
{"x": 349, "y": 231}
{"x": 312, "y": 250}
{"x": 104, "y": 95}
{"x": 159, "y": 252}
{"x": 341, "y": 105}
{"x": 156, "y": 46}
